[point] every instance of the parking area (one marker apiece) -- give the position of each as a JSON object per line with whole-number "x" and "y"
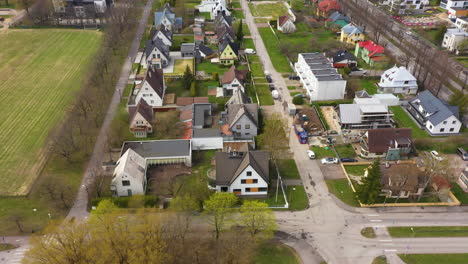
{"x": 332, "y": 171}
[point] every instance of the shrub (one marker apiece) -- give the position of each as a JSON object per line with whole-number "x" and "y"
{"x": 136, "y": 201}
{"x": 298, "y": 100}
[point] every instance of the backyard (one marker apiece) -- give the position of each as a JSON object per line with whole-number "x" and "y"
{"x": 356, "y": 170}
{"x": 287, "y": 169}
{"x": 181, "y": 65}
{"x": 40, "y": 96}
{"x": 323, "y": 152}
{"x": 272, "y": 10}
{"x": 368, "y": 85}
{"x": 403, "y": 120}
{"x": 345, "y": 151}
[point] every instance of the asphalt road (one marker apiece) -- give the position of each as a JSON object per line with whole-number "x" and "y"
{"x": 333, "y": 229}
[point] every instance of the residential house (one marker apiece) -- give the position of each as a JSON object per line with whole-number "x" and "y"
{"x": 156, "y": 53}
{"x": 318, "y": 76}
{"x": 365, "y": 113}
{"x": 343, "y": 58}
{"x": 369, "y": 52}
{"x": 163, "y": 34}
{"x": 388, "y": 143}
{"x": 141, "y": 119}
{"x": 207, "y": 5}
{"x": 203, "y": 52}
{"x": 338, "y": 19}
{"x": 162, "y": 152}
{"x": 351, "y": 34}
{"x": 165, "y": 17}
{"x": 202, "y": 115}
{"x": 198, "y": 35}
{"x": 435, "y": 115}
{"x": 219, "y": 9}
{"x": 223, "y": 19}
{"x": 402, "y": 181}
{"x": 398, "y": 80}
{"x": 453, "y": 37}
{"x": 402, "y": 7}
{"x": 242, "y": 120}
{"x": 243, "y": 173}
{"x": 233, "y": 80}
{"x": 327, "y": 7}
{"x": 463, "y": 180}
{"x": 455, "y": 8}
{"x": 286, "y": 25}
{"x": 462, "y": 22}
{"x": 228, "y": 53}
{"x": 187, "y": 50}
{"x": 81, "y": 9}
{"x": 152, "y": 89}
{"x": 239, "y": 97}
{"x": 362, "y": 94}
{"x": 129, "y": 176}
{"x": 224, "y": 34}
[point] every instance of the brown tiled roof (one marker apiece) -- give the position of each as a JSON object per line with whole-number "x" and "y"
{"x": 232, "y": 73}
{"x": 183, "y": 101}
{"x": 282, "y": 20}
{"x": 145, "y": 110}
{"x": 380, "y": 139}
{"x": 403, "y": 177}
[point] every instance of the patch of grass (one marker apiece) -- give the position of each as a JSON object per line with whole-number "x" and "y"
{"x": 181, "y": 65}
{"x": 380, "y": 260}
{"x": 236, "y": 5}
{"x": 22, "y": 207}
{"x": 128, "y": 90}
{"x": 178, "y": 40}
{"x": 275, "y": 253}
{"x": 211, "y": 68}
{"x": 46, "y": 68}
{"x": 273, "y": 10}
{"x": 403, "y": 120}
{"x": 292, "y": 87}
{"x": 356, "y": 170}
{"x": 175, "y": 86}
{"x": 428, "y": 231}
{"x": 4, "y": 247}
{"x": 341, "y": 189}
{"x": 206, "y": 15}
{"x": 202, "y": 87}
{"x": 459, "y": 193}
{"x": 254, "y": 59}
{"x": 369, "y": 85}
{"x": 368, "y": 232}
{"x": 434, "y": 258}
{"x": 249, "y": 44}
{"x": 429, "y": 34}
{"x": 294, "y": 93}
{"x": 237, "y": 14}
{"x": 297, "y": 198}
{"x": 323, "y": 152}
{"x": 257, "y": 70}
{"x": 462, "y": 60}
{"x": 288, "y": 169}
{"x": 279, "y": 61}
{"x": 345, "y": 151}
{"x": 264, "y": 94}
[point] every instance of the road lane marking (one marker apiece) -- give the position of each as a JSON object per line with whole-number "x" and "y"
{"x": 390, "y": 250}
{"x": 388, "y": 244}
{"x": 373, "y": 215}
{"x": 376, "y": 220}
{"x": 385, "y": 240}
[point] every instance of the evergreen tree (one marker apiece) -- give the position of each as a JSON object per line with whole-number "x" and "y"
{"x": 370, "y": 188}
{"x": 188, "y": 78}
{"x": 240, "y": 32}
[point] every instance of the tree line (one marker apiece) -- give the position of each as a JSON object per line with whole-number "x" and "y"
{"x": 147, "y": 236}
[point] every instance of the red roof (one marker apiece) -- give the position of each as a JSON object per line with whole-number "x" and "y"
{"x": 282, "y": 20}
{"x": 328, "y": 5}
{"x": 188, "y": 132}
{"x": 183, "y": 101}
{"x": 371, "y": 47}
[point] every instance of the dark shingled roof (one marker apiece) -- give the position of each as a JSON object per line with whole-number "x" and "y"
{"x": 205, "y": 50}
{"x": 144, "y": 109}
{"x": 230, "y": 166}
{"x": 343, "y": 55}
{"x": 234, "y": 46}
{"x": 378, "y": 140}
{"x": 155, "y": 78}
{"x": 235, "y": 111}
{"x": 431, "y": 104}
{"x": 159, "y": 148}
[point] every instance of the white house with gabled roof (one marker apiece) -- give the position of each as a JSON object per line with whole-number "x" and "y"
{"x": 398, "y": 80}
{"x": 129, "y": 176}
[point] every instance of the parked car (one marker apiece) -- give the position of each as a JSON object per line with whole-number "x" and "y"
{"x": 275, "y": 94}
{"x": 2, "y": 19}
{"x": 463, "y": 154}
{"x": 250, "y": 51}
{"x": 311, "y": 154}
{"x": 300, "y": 95}
{"x": 294, "y": 77}
{"x": 332, "y": 132}
{"x": 436, "y": 156}
{"x": 269, "y": 79}
{"x": 272, "y": 87}
{"x": 329, "y": 161}
{"x": 348, "y": 160}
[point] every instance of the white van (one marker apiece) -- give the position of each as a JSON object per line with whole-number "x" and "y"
{"x": 250, "y": 51}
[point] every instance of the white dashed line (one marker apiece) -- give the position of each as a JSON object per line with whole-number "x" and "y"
{"x": 376, "y": 220}
{"x": 390, "y": 250}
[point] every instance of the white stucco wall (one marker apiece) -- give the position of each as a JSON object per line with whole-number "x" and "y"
{"x": 151, "y": 97}
{"x": 135, "y": 186}
{"x": 243, "y": 176}
{"x": 452, "y": 122}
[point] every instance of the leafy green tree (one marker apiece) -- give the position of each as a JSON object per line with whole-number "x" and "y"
{"x": 370, "y": 188}
{"x": 215, "y": 76}
{"x": 193, "y": 89}
{"x": 297, "y": 5}
{"x": 298, "y": 100}
{"x": 460, "y": 99}
{"x": 258, "y": 219}
{"x": 219, "y": 208}
{"x": 439, "y": 35}
{"x": 188, "y": 78}
{"x": 274, "y": 138}
{"x": 240, "y": 32}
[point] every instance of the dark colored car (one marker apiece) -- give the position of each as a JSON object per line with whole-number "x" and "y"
{"x": 2, "y": 19}
{"x": 269, "y": 79}
{"x": 272, "y": 87}
{"x": 348, "y": 160}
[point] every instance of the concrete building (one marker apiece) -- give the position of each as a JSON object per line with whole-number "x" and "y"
{"x": 398, "y": 80}
{"x": 319, "y": 78}
{"x": 436, "y": 116}
{"x": 365, "y": 113}
{"x": 453, "y": 37}
{"x": 402, "y": 7}
{"x": 455, "y": 8}
{"x": 243, "y": 173}
{"x": 462, "y": 22}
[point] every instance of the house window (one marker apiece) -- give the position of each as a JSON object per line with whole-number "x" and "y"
{"x": 249, "y": 173}
{"x": 247, "y": 126}
{"x": 453, "y": 122}
{"x": 264, "y": 189}
{"x": 442, "y": 130}
{"x": 238, "y": 127}
{"x": 129, "y": 192}
{"x": 152, "y": 101}
{"x": 254, "y": 181}
{"x": 125, "y": 183}
{"x": 243, "y": 181}
{"x": 430, "y": 126}
{"x": 406, "y": 82}
{"x": 224, "y": 189}
{"x": 445, "y": 122}
{"x": 247, "y": 189}
{"x": 237, "y": 191}
{"x": 452, "y": 129}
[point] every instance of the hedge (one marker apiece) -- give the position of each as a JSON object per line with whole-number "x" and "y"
{"x": 122, "y": 202}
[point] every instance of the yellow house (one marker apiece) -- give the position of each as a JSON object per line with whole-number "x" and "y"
{"x": 351, "y": 34}
{"x": 229, "y": 53}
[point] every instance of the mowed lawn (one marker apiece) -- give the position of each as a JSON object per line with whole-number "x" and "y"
{"x": 40, "y": 71}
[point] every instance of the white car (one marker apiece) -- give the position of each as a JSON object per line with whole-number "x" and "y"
{"x": 329, "y": 161}
{"x": 250, "y": 51}
{"x": 436, "y": 156}
{"x": 311, "y": 154}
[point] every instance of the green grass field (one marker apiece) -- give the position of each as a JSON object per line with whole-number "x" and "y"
{"x": 273, "y": 10}
{"x": 288, "y": 169}
{"x": 368, "y": 85}
{"x": 345, "y": 151}
{"x": 428, "y": 231}
{"x": 275, "y": 253}
{"x": 356, "y": 170}
{"x": 41, "y": 70}
{"x": 434, "y": 258}
{"x": 403, "y": 120}
{"x": 341, "y": 189}
{"x": 323, "y": 152}
{"x": 181, "y": 65}
{"x": 279, "y": 61}
{"x": 459, "y": 193}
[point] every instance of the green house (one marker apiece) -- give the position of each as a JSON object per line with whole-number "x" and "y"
{"x": 369, "y": 52}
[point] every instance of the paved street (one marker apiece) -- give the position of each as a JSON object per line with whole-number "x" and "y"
{"x": 332, "y": 228}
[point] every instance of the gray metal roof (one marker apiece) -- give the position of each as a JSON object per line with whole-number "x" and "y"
{"x": 200, "y": 114}
{"x": 206, "y": 133}
{"x": 350, "y": 113}
{"x": 439, "y": 109}
{"x": 334, "y": 77}
{"x": 159, "y": 148}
